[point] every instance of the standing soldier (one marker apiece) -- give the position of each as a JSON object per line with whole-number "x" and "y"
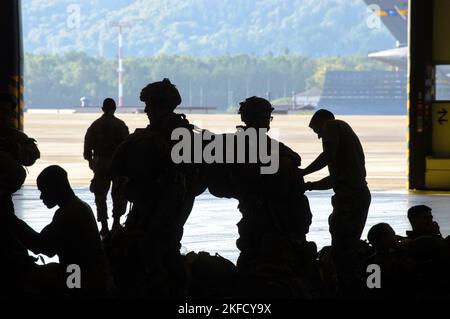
{"x": 344, "y": 156}
{"x": 101, "y": 140}
{"x": 162, "y": 194}
{"x": 275, "y": 212}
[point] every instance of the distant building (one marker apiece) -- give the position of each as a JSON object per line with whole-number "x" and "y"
{"x": 309, "y": 98}
{"x": 303, "y": 101}
{"x": 364, "y": 92}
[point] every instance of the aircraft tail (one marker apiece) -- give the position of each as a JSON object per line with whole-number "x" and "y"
{"x": 394, "y": 15}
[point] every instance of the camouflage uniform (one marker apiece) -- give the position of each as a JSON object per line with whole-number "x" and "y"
{"x": 100, "y": 142}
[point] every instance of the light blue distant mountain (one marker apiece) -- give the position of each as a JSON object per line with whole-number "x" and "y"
{"x": 202, "y": 27}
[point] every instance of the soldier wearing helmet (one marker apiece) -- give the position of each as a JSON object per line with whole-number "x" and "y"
{"x": 271, "y": 204}
{"x": 256, "y": 112}
{"x": 12, "y": 141}
{"x": 162, "y": 194}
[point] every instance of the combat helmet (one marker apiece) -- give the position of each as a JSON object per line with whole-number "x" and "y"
{"x": 162, "y": 94}
{"x": 254, "y": 107}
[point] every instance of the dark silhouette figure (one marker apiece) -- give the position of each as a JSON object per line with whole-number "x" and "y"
{"x": 12, "y": 141}
{"x": 421, "y": 220}
{"x": 15, "y": 261}
{"x": 101, "y": 140}
{"x": 275, "y": 212}
{"x": 146, "y": 254}
{"x": 396, "y": 265}
{"x": 344, "y": 156}
{"x": 72, "y": 236}
{"x": 383, "y": 238}
{"x": 16, "y": 150}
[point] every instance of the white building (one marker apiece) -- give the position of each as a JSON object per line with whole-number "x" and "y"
{"x": 308, "y": 97}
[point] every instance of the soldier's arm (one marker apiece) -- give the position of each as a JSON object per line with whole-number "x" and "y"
{"x": 87, "y": 153}
{"x": 320, "y": 162}
{"x": 125, "y": 132}
{"x": 323, "y": 184}
{"x": 38, "y": 243}
{"x": 118, "y": 165}
{"x": 330, "y": 142}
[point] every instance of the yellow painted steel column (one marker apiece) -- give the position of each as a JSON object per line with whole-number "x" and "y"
{"x": 437, "y": 174}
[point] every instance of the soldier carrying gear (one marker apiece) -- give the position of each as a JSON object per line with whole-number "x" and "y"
{"x": 12, "y": 141}
{"x": 271, "y": 204}
{"x": 101, "y": 140}
{"x": 162, "y": 194}
{"x": 16, "y": 150}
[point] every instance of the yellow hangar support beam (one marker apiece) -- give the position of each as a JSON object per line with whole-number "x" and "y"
{"x": 429, "y": 95}
{"x": 11, "y": 56}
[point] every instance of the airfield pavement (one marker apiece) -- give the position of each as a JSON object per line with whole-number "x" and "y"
{"x": 384, "y": 138}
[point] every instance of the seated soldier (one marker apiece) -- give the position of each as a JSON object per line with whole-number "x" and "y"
{"x": 72, "y": 235}
{"x": 392, "y": 255}
{"x": 382, "y": 237}
{"x": 421, "y": 220}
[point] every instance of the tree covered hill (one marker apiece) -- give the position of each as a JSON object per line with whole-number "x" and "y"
{"x": 202, "y": 27}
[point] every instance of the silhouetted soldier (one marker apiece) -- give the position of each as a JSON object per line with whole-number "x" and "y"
{"x": 72, "y": 236}
{"x": 16, "y": 150}
{"x": 344, "y": 156}
{"x": 162, "y": 194}
{"x": 100, "y": 142}
{"x": 396, "y": 265}
{"x": 275, "y": 213}
{"x": 421, "y": 220}
{"x": 15, "y": 261}
{"x": 13, "y": 141}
